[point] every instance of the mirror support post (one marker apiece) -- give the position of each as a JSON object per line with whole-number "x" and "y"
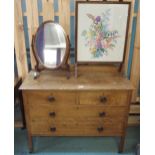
{"x": 68, "y": 71}
{"x": 66, "y": 63}
{"x": 76, "y": 74}
{"x": 36, "y": 70}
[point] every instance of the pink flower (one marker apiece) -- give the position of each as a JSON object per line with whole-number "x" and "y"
{"x": 105, "y": 44}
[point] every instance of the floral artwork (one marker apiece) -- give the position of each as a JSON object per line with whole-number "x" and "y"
{"x": 101, "y": 31}
{"x": 99, "y": 38}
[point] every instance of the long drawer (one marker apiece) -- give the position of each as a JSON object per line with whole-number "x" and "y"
{"x": 46, "y": 111}
{"x": 78, "y": 121}
{"x": 104, "y": 129}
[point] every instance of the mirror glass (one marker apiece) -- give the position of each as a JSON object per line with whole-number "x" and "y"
{"x": 50, "y": 45}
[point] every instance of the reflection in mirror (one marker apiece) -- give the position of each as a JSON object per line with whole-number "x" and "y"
{"x": 51, "y": 45}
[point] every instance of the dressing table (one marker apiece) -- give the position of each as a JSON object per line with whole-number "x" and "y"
{"x": 91, "y": 105}
{"x": 96, "y": 103}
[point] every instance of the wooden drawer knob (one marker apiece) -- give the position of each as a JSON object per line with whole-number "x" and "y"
{"x": 51, "y": 98}
{"x": 102, "y": 114}
{"x": 100, "y": 129}
{"x": 103, "y": 99}
{"x": 53, "y": 129}
{"x": 52, "y": 114}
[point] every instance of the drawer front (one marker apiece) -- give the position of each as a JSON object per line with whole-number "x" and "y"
{"x": 109, "y": 98}
{"x": 51, "y": 97}
{"x": 86, "y": 113}
{"x": 77, "y": 120}
{"x": 74, "y": 111}
{"x": 104, "y": 129}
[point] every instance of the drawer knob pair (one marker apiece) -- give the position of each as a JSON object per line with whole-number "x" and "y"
{"x": 102, "y": 114}
{"x": 100, "y": 129}
{"x": 53, "y": 129}
{"x": 103, "y": 99}
{"x": 51, "y": 98}
{"x": 52, "y": 114}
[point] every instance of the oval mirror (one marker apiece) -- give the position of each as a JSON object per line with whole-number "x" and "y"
{"x": 51, "y": 45}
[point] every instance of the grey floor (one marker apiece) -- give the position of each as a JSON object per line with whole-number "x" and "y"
{"x": 76, "y": 145}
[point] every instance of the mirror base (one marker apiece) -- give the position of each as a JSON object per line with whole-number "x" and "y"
{"x": 65, "y": 67}
{"x": 36, "y": 74}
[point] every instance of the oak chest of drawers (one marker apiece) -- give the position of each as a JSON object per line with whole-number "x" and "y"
{"x": 86, "y": 106}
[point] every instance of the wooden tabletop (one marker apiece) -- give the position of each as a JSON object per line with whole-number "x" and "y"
{"x": 56, "y": 80}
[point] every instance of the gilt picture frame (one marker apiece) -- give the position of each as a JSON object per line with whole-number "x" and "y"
{"x": 101, "y": 31}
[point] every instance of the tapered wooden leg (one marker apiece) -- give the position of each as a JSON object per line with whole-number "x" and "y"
{"x": 22, "y": 110}
{"x": 121, "y": 144}
{"x": 30, "y": 143}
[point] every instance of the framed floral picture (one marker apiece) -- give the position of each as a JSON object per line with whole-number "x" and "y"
{"x": 101, "y": 31}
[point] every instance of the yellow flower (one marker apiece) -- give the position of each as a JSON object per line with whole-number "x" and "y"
{"x": 93, "y": 50}
{"x": 89, "y": 34}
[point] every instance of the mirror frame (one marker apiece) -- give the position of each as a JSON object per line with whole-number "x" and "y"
{"x": 39, "y": 64}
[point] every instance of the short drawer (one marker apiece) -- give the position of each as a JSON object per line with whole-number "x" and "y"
{"x": 109, "y": 98}
{"x": 51, "y": 97}
{"x": 77, "y": 130}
